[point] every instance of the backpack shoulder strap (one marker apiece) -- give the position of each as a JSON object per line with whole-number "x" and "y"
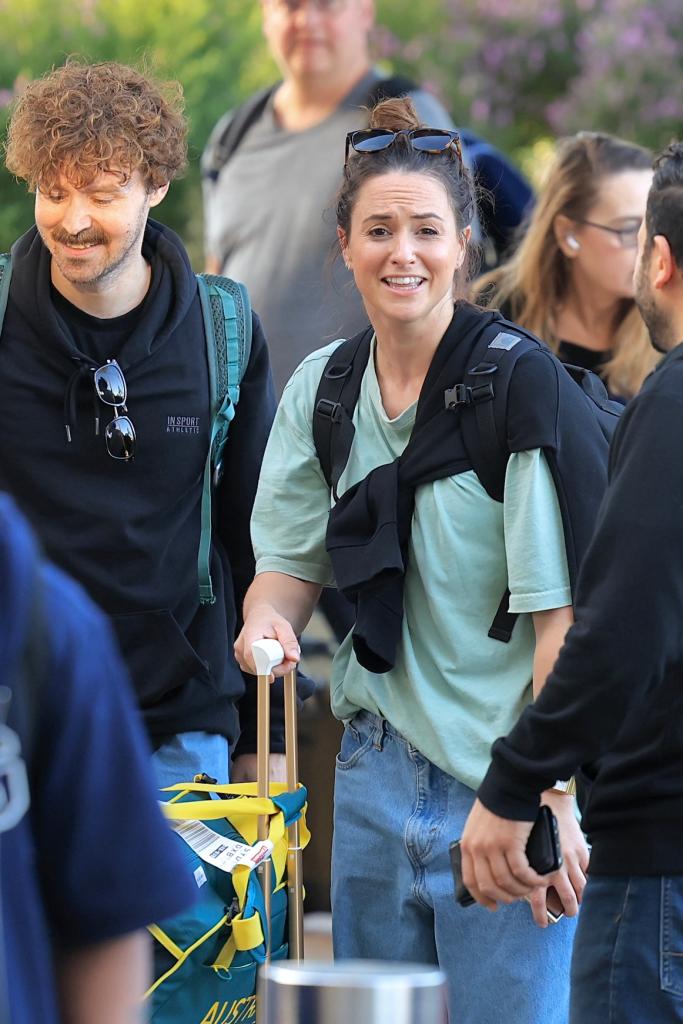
{"x": 235, "y": 129}
{"x": 487, "y": 384}
{"x": 5, "y": 275}
{"x": 484, "y": 426}
{"x": 335, "y": 401}
{"x": 226, "y": 311}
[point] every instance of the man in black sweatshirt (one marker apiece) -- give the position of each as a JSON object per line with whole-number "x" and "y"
{"x": 119, "y": 508}
{"x": 612, "y": 709}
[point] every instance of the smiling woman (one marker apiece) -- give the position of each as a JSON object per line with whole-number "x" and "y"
{"x": 423, "y": 683}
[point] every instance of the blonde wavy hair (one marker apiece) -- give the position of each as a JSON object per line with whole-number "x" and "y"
{"x": 81, "y": 119}
{"x": 533, "y": 283}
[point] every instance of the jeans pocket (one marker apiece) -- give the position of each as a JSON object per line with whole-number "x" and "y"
{"x": 671, "y": 940}
{"x": 356, "y": 741}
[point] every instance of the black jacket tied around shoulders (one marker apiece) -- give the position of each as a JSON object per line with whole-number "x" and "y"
{"x": 369, "y": 527}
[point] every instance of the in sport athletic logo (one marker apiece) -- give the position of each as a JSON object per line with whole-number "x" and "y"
{"x": 182, "y": 425}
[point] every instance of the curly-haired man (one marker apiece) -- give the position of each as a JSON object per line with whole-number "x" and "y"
{"x": 104, "y": 319}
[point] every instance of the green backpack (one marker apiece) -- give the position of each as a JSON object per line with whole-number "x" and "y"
{"x": 227, "y": 331}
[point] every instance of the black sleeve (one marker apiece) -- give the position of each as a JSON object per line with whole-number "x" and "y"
{"x": 629, "y": 607}
{"x": 242, "y": 463}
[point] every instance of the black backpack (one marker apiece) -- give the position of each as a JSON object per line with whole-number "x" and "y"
{"x": 492, "y": 428}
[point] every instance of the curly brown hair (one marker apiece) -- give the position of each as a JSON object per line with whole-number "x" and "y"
{"x": 81, "y": 119}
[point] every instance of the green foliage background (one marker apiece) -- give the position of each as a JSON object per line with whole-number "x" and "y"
{"x": 518, "y": 71}
{"x": 216, "y": 51}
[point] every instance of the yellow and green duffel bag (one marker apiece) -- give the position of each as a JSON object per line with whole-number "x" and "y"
{"x": 205, "y": 960}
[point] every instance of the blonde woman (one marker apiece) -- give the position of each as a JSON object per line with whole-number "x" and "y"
{"x": 571, "y": 279}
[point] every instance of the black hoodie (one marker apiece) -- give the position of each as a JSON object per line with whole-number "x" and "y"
{"x": 129, "y": 532}
{"x": 614, "y": 700}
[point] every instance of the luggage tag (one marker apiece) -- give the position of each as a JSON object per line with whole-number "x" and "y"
{"x": 219, "y": 851}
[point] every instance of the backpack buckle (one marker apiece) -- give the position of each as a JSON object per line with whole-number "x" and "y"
{"x": 330, "y": 410}
{"x": 459, "y": 394}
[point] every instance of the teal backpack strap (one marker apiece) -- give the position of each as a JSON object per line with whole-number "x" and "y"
{"x": 5, "y": 275}
{"x": 227, "y": 330}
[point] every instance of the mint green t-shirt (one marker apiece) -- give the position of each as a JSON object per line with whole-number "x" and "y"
{"x": 453, "y": 690}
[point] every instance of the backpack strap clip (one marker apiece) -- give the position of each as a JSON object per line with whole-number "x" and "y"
{"x": 461, "y": 394}
{"x": 329, "y": 409}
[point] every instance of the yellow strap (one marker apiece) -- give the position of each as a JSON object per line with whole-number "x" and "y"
{"x": 164, "y": 940}
{"x": 226, "y": 956}
{"x": 240, "y": 881}
{"x": 231, "y": 789}
{"x": 183, "y": 957}
{"x": 247, "y": 931}
{"x": 212, "y": 810}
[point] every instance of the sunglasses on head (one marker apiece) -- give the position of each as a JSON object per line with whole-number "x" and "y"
{"x": 432, "y": 141}
{"x": 119, "y": 435}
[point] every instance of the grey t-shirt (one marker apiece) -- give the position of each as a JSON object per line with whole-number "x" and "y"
{"x": 270, "y": 220}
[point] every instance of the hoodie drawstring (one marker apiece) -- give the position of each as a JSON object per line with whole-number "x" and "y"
{"x": 71, "y": 396}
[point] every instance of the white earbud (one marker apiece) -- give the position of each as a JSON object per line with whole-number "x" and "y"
{"x": 573, "y": 243}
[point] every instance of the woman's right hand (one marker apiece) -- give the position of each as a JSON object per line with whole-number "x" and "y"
{"x": 263, "y": 622}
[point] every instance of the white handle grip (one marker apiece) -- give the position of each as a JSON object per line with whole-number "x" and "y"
{"x": 267, "y": 654}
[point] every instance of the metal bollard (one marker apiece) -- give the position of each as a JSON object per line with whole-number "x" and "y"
{"x": 351, "y": 992}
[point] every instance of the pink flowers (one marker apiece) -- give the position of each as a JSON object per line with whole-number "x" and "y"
{"x": 516, "y": 70}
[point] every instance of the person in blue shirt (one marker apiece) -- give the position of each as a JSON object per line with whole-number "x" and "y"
{"x": 86, "y": 859}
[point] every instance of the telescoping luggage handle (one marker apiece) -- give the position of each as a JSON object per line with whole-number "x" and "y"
{"x": 267, "y": 654}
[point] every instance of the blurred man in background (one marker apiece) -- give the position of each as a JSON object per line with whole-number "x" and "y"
{"x": 271, "y": 172}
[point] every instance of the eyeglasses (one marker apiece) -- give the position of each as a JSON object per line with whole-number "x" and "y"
{"x": 324, "y": 6}
{"x": 119, "y": 435}
{"x": 432, "y": 141}
{"x": 628, "y": 237}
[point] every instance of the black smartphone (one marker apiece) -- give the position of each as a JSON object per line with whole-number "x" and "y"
{"x": 542, "y": 850}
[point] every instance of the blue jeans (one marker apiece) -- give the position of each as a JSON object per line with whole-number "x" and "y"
{"x": 628, "y": 955}
{"x": 395, "y": 814}
{"x": 188, "y": 754}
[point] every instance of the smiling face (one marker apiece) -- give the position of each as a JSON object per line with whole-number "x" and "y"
{"x": 404, "y": 249}
{"x": 607, "y": 253}
{"x": 312, "y": 41}
{"x": 94, "y": 233}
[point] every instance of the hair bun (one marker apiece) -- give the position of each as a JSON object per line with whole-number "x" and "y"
{"x": 396, "y": 114}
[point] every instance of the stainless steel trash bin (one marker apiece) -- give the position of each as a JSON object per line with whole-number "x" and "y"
{"x": 351, "y": 992}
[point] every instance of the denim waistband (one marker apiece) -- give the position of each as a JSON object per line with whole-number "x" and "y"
{"x": 378, "y": 724}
